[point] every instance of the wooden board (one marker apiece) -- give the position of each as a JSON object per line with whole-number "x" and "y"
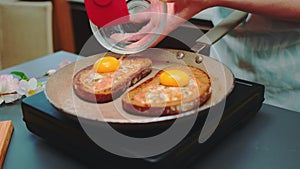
{"x": 6, "y": 130}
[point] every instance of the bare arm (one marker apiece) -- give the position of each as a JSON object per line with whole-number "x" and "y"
{"x": 288, "y": 10}
{"x": 280, "y": 9}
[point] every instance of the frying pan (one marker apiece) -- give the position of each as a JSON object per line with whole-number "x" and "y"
{"x": 105, "y": 116}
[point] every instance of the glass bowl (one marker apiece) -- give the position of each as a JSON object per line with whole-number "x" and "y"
{"x": 133, "y": 33}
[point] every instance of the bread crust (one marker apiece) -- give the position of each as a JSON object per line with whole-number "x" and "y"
{"x": 130, "y": 72}
{"x": 194, "y": 99}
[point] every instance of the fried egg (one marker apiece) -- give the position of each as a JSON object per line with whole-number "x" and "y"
{"x": 174, "y": 78}
{"x": 106, "y": 64}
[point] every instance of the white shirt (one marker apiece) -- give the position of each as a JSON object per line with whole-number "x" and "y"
{"x": 266, "y": 51}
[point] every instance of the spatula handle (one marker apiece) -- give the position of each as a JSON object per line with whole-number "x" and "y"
{"x": 221, "y": 29}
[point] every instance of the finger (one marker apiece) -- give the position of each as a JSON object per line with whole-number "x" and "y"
{"x": 146, "y": 38}
{"x": 141, "y": 42}
{"x": 141, "y": 17}
{"x": 126, "y": 37}
{"x": 132, "y": 37}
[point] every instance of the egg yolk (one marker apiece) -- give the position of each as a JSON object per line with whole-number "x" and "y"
{"x": 174, "y": 78}
{"x": 106, "y": 64}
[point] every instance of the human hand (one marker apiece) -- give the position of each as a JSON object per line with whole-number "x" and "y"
{"x": 178, "y": 11}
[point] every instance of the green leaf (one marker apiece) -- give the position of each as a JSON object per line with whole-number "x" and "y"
{"x": 39, "y": 84}
{"x": 20, "y": 74}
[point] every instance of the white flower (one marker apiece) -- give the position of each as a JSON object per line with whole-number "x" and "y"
{"x": 8, "y": 86}
{"x": 9, "y": 98}
{"x": 8, "y": 83}
{"x": 29, "y": 88}
{"x": 50, "y": 72}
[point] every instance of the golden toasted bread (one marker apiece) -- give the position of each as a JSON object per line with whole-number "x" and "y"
{"x": 104, "y": 87}
{"x": 151, "y": 98}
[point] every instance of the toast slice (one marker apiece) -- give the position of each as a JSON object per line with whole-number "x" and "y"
{"x": 151, "y": 98}
{"x": 104, "y": 87}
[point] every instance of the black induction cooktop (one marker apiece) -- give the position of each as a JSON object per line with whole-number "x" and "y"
{"x": 66, "y": 134}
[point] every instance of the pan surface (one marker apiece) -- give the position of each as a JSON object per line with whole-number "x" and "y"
{"x": 59, "y": 90}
